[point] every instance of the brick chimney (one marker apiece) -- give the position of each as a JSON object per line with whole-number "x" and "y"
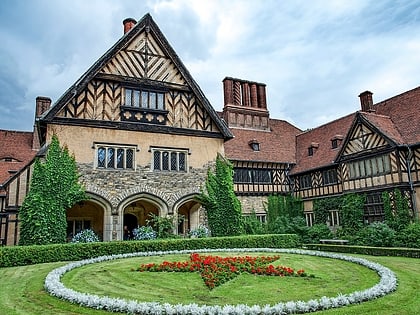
{"x": 42, "y": 104}
{"x": 129, "y": 24}
{"x": 245, "y": 104}
{"x": 366, "y": 101}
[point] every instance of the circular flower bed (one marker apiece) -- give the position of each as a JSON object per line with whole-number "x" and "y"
{"x": 53, "y": 285}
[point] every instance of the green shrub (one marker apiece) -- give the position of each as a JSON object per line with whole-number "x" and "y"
{"x": 318, "y": 232}
{"x": 85, "y": 236}
{"x": 36, "y": 254}
{"x": 409, "y": 236}
{"x": 376, "y": 234}
{"x": 252, "y": 225}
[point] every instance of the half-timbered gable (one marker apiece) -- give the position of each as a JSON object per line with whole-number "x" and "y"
{"x": 262, "y": 150}
{"x": 142, "y": 132}
{"x": 139, "y": 84}
{"x": 369, "y": 152}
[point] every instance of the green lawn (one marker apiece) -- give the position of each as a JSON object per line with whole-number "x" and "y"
{"x": 21, "y": 290}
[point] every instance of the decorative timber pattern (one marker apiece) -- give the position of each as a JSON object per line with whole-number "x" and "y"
{"x": 100, "y": 100}
{"x": 276, "y": 182}
{"x": 363, "y": 138}
{"x": 144, "y": 58}
{"x": 141, "y": 62}
{"x": 185, "y": 112}
{"x": 315, "y": 185}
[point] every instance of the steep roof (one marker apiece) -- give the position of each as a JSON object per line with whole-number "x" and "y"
{"x": 320, "y": 139}
{"x": 384, "y": 125}
{"x": 397, "y": 118}
{"x": 404, "y": 112}
{"x": 146, "y": 24}
{"x": 15, "y": 153}
{"x": 276, "y": 145}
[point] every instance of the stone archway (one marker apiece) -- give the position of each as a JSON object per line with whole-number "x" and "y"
{"x": 138, "y": 209}
{"x": 85, "y": 215}
{"x": 188, "y": 211}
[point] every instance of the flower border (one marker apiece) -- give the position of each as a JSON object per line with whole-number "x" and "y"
{"x": 54, "y": 286}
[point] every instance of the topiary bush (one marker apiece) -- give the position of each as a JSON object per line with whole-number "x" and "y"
{"x": 85, "y": 236}
{"x": 376, "y": 234}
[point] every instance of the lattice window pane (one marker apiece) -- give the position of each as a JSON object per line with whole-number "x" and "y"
{"x": 101, "y": 157}
{"x": 120, "y": 158}
{"x": 128, "y": 97}
{"x": 129, "y": 158}
{"x": 144, "y": 99}
{"x": 160, "y": 101}
{"x": 136, "y": 98}
{"x": 181, "y": 162}
{"x": 165, "y": 161}
{"x": 156, "y": 160}
{"x": 174, "y": 163}
{"x": 152, "y": 100}
{"x": 111, "y": 158}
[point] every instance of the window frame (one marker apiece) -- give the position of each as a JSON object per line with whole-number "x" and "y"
{"x": 166, "y": 162}
{"x": 144, "y": 98}
{"x": 112, "y": 163}
{"x": 373, "y": 166}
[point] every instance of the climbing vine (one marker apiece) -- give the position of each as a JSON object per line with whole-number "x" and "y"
{"x": 397, "y": 210}
{"x": 54, "y": 189}
{"x": 223, "y": 208}
{"x": 322, "y": 208}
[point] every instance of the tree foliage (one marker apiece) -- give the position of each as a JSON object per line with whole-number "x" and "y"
{"x": 223, "y": 208}
{"x": 54, "y": 189}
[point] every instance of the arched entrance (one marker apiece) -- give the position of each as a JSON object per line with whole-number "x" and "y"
{"x": 137, "y": 213}
{"x": 188, "y": 216}
{"x": 85, "y": 215}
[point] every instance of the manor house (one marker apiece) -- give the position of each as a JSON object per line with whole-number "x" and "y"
{"x": 144, "y": 135}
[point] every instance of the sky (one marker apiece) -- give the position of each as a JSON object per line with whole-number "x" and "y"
{"x": 315, "y": 57}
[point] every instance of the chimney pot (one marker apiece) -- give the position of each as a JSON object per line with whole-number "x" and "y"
{"x": 128, "y": 24}
{"x": 42, "y": 105}
{"x": 366, "y": 101}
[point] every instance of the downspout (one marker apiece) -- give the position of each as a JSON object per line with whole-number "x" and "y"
{"x": 410, "y": 181}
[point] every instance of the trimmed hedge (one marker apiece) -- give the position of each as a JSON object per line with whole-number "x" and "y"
{"x": 36, "y": 254}
{"x": 366, "y": 250}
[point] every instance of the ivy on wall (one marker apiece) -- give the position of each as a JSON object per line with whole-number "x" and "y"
{"x": 322, "y": 208}
{"x": 398, "y": 214}
{"x": 350, "y": 208}
{"x": 223, "y": 208}
{"x": 284, "y": 214}
{"x": 54, "y": 189}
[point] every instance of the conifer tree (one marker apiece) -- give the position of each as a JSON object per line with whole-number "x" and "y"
{"x": 54, "y": 189}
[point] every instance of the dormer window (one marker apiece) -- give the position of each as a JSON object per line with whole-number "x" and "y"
{"x": 254, "y": 144}
{"x": 312, "y": 148}
{"x": 336, "y": 141}
{"x": 8, "y": 159}
{"x": 310, "y": 151}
